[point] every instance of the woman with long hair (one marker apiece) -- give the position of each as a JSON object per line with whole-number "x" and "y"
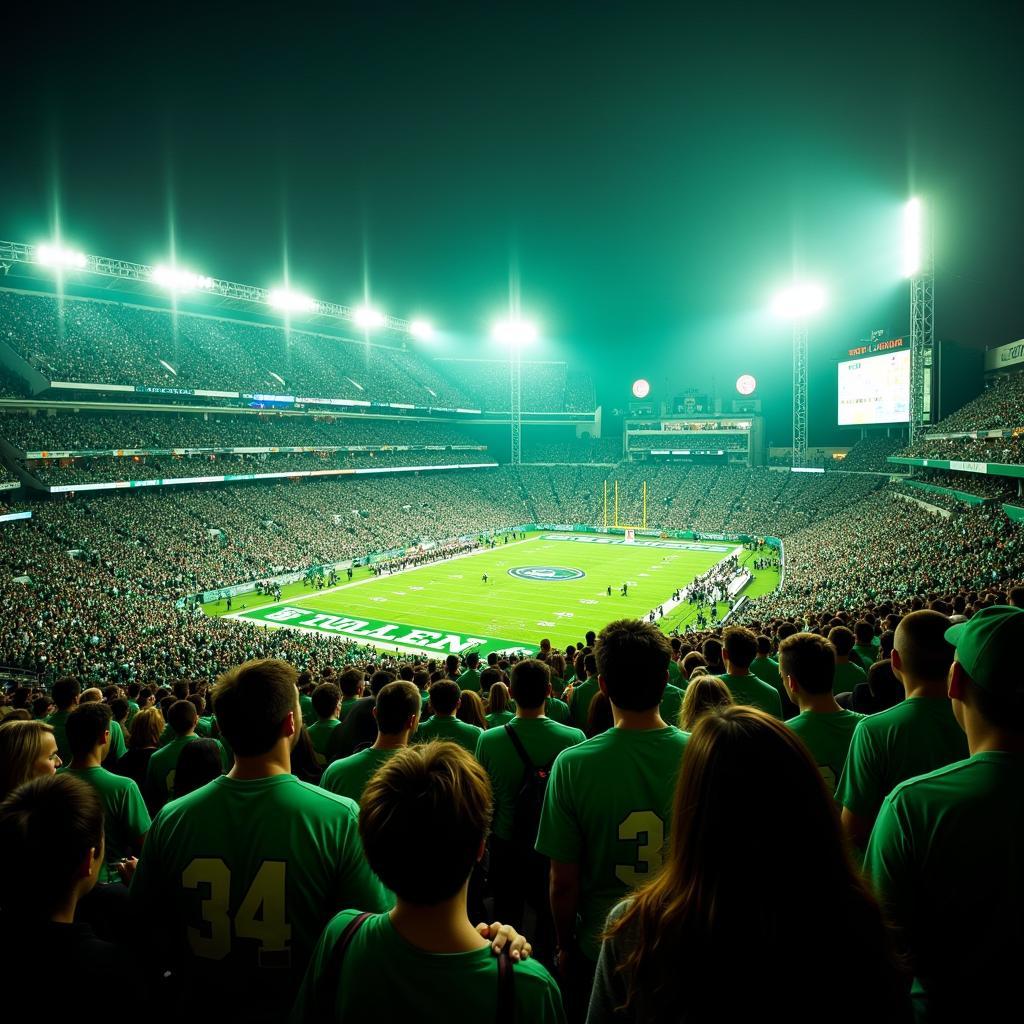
{"x": 703, "y": 694}
{"x": 143, "y": 740}
{"x": 499, "y": 706}
{"x": 28, "y": 750}
{"x": 471, "y": 709}
{"x": 757, "y": 909}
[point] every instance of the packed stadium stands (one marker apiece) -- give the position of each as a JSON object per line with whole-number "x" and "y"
{"x": 999, "y": 406}
{"x": 1008, "y": 450}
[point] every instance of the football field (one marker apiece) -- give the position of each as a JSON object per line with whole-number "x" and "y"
{"x": 548, "y": 585}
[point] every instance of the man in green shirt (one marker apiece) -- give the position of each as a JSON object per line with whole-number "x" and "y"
{"x": 350, "y": 682}
{"x": 608, "y": 801}
{"x": 867, "y": 645}
{"x": 542, "y": 740}
{"x": 181, "y": 718}
{"x": 470, "y": 678}
{"x": 125, "y": 818}
{"x": 243, "y": 874}
{"x": 424, "y": 823}
{"x": 915, "y": 736}
{"x": 65, "y": 693}
{"x": 808, "y": 662}
{"x": 583, "y": 692}
{"x": 766, "y": 668}
{"x": 397, "y": 713}
{"x": 848, "y": 675}
{"x": 739, "y": 648}
{"x": 326, "y": 702}
{"x": 946, "y": 853}
{"x": 118, "y": 748}
{"x": 444, "y": 702}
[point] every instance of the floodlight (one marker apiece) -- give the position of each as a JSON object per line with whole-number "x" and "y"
{"x": 799, "y": 301}
{"x": 913, "y": 231}
{"x": 422, "y": 330}
{"x": 746, "y": 384}
{"x": 174, "y": 279}
{"x": 58, "y": 256}
{"x": 290, "y": 302}
{"x": 368, "y": 318}
{"x": 514, "y": 332}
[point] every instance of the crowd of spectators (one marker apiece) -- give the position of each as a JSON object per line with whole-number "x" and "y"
{"x": 489, "y": 382}
{"x": 581, "y": 450}
{"x": 868, "y": 455}
{"x": 1007, "y": 450}
{"x": 999, "y": 407}
{"x": 983, "y": 485}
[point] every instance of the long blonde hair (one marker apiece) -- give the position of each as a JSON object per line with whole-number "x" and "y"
{"x": 20, "y": 746}
{"x": 703, "y": 693}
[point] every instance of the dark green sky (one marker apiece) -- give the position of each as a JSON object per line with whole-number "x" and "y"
{"x": 650, "y": 172}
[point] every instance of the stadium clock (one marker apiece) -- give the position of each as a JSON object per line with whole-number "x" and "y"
{"x": 745, "y": 385}
{"x": 641, "y": 388}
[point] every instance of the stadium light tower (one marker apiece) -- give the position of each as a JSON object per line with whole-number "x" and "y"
{"x": 288, "y": 301}
{"x": 368, "y": 318}
{"x": 798, "y": 303}
{"x": 175, "y": 279}
{"x": 919, "y": 267}
{"x": 422, "y": 330}
{"x": 515, "y": 332}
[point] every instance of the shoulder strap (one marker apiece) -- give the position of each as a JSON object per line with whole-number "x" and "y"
{"x": 506, "y": 989}
{"x": 520, "y": 749}
{"x": 327, "y": 987}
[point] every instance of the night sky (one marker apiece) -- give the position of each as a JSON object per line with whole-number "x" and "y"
{"x": 645, "y": 176}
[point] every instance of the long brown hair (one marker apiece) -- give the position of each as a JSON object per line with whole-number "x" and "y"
{"x": 20, "y": 746}
{"x": 751, "y": 812}
{"x": 471, "y": 709}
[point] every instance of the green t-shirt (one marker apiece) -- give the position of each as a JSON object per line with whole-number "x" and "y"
{"x": 349, "y": 776}
{"x": 543, "y": 740}
{"x": 320, "y": 735}
{"x": 441, "y": 727}
{"x": 57, "y": 721}
{"x": 847, "y": 677}
{"x": 125, "y": 818}
{"x": 827, "y": 736}
{"x": 469, "y": 680}
{"x": 911, "y": 738}
{"x": 498, "y": 718}
{"x": 607, "y": 808}
{"x": 557, "y": 710}
{"x": 347, "y": 703}
{"x": 579, "y": 705}
{"x": 383, "y": 978}
{"x": 118, "y": 747}
{"x": 755, "y": 692}
{"x": 671, "y": 704}
{"x": 675, "y": 675}
{"x": 133, "y": 710}
{"x": 162, "y": 766}
{"x": 946, "y": 856}
{"x": 868, "y": 652}
{"x": 241, "y": 877}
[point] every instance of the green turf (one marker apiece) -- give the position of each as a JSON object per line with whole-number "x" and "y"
{"x": 447, "y": 607}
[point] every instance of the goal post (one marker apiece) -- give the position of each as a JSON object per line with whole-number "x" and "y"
{"x": 615, "y": 507}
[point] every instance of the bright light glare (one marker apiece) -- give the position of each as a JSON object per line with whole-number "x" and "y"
{"x": 641, "y": 388}
{"x": 367, "y": 317}
{"x": 58, "y": 256}
{"x": 913, "y": 223}
{"x": 514, "y": 332}
{"x": 289, "y": 301}
{"x": 174, "y": 279}
{"x": 799, "y": 301}
{"x": 423, "y": 330}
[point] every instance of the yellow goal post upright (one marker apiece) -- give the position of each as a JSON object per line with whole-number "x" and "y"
{"x": 615, "y": 507}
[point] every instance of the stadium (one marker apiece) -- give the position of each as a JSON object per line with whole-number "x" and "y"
{"x": 330, "y": 632}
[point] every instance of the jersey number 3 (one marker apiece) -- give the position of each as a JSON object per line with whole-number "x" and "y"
{"x": 260, "y": 916}
{"x": 648, "y": 831}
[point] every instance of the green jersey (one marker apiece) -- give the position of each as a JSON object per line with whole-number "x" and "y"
{"x": 671, "y": 704}
{"x": 57, "y": 722}
{"x": 347, "y": 703}
{"x": 827, "y": 736}
{"x": 441, "y": 727}
{"x": 946, "y": 856}
{"x": 543, "y": 740}
{"x": 868, "y": 653}
{"x": 847, "y": 677}
{"x": 242, "y": 876}
{"x": 911, "y": 738}
{"x": 579, "y": 705}
{"x": 557, "y": 710}
{"x": 675, "y": 675}
{"x": 162, "y": 766}
{"x": 349, "y": 776}
{"x": 469, "y": 680}
{"x": 320, "y": 735}
{"x": 306, "y": 709}
{"x": 607, "y": 808}
{"x": 755, "y": 692}
{"x": 133, "y": 710}
{"x": 497, "y": 719}
{"x": 125, "y": 818}
{"x": 118, "y": 747}
{"x": 385, "y": 978}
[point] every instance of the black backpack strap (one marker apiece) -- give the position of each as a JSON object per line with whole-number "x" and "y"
{"x": 327, "y": 987}
{"x": 506, "y": 989}
{"x": 520, "y": 749}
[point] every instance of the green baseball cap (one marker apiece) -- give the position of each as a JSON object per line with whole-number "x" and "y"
{"x": 988, "y": 645}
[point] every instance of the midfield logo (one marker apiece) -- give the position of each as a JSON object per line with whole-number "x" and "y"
{"x": 546, "y": 573}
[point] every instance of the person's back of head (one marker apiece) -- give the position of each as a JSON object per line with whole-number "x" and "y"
{"x": 380, "y": 679}
{"x": 842, "y": 640}
{"x": 712, "y": 651}
{"x": 704, "y": 694}
{"x": 764, "y": 646}
{"x": 632, "y": 662}
{"x": 444, "y": 697}
{"x": 451, "y": 665}
{"x": 421, "y": 679}
{"x": 397, "y": 707}
{"x": 51, "y": 838}
{"x": 179, "y": 690}
{"x": 350, "y": 683}
{"x": 784, "y": 630}
{"x": 405, "y": 672}
{"x": 437, "y": 790}
{"x": 740, "y": 647}
{"x": 531, "y": 684}
{"x": 1015, "y": 597}
{"x": 326, "y": 698}
{"x": 488, "y": 678}
{"x": 252, "y": 703}
{"x": 199, "y": 703}
{"x": 198, "y": 763}
{"x": 810, "y": 660}
{"x": 21, "y": 750}
{"x": 147, "y": 727}
{"x": 66, "y": 692}
{"x": 921, "y": 652}
{"x": 498, "y": 699}
{"x": 87, "y": 725}
{"x": 182, "y": 717}
{"x": 119, "y": 708}
{"x": 590, "y": 665}
{"x": 864, "y": 632}
{"x": 471, "y": 709}
{"x": 693, "y": 661}
{"x": 472, "y": 660}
